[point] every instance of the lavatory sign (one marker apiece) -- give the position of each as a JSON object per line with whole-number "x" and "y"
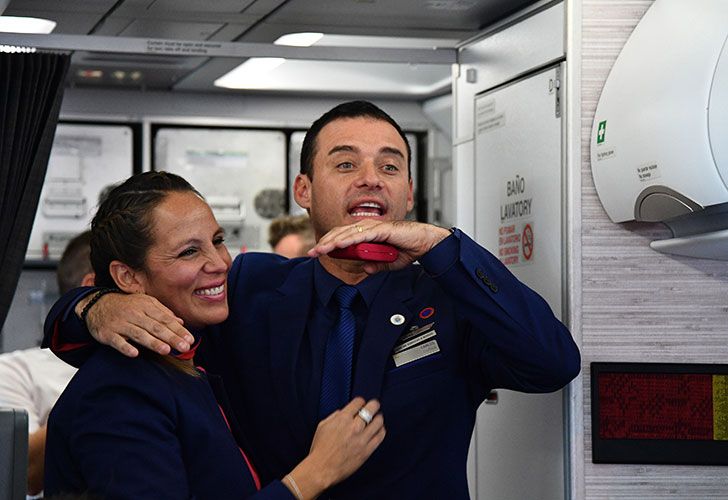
{"x": 516, "y": 239}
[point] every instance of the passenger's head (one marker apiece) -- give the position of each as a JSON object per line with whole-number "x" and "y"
{"x": 74, "y": 268}
{"x": 155, "y": 234}
{"x": 354, "y": 166}
{"x": 291, "y": 236}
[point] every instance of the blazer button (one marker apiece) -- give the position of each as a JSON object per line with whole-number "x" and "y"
{"x": 479, "y": 273}
{"x": 493, "y": 288}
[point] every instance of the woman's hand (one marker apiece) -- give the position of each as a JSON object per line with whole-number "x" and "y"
{"x": 342, "y": 443}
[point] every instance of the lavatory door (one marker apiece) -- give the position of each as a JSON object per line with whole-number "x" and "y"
{"x": 519, "y": 442}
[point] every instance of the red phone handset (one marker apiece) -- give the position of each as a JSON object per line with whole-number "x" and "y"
{"x": 374, "y": 252}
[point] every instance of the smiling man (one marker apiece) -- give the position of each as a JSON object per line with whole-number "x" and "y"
{"x": 304, "y": 335}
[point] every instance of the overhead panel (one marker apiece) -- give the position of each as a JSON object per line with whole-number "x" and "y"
{"x": 352, "y": 77}
{"x": 74, "y": 6}
{"x": 150, "y": 28}
{"x": 130, "y": 70}
{"x": 263, "y": 7}
{"x": 258, "y": 21}
{"x": 170, "y": 6}
{"x": 67, "y": 21}
{"x": 440, "y": 15}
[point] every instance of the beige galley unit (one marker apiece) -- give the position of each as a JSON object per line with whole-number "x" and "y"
{"x": 85, "y": 159}
{"x": 659, "y": 145}
{"x": 508, "y": 176}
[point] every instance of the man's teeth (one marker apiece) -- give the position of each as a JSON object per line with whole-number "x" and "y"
{"x": 211, "y": 291}
{"x": 375, "y": 210}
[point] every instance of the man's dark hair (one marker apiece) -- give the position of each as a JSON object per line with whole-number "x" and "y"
{"x": 352, "y": 109}
{"x": 75, "y": 262}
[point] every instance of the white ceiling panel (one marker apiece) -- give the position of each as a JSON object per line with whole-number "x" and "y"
{"x": 113, "y": 26}
{"x": 229, "y": 32}
{"x": 354, "y": 78}
{"x": 147, "y": 28}
{"x": 71, "y": 23}
{"x": 263, "y": 7}
{"x": 432, "y": 14}
{"x": 443, "y": 22}
{"x": 171, "y": 6}
{"x": 97, "y": 6}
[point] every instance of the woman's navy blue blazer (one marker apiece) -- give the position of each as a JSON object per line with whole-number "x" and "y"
{"x": 134, "y": 429}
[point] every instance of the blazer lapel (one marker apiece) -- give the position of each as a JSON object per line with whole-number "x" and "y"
{"x": 381, "y": 333}
{"x": 287, "y": 321}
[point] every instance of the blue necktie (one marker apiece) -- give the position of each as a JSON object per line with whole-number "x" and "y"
{"x": 336, "y": 379}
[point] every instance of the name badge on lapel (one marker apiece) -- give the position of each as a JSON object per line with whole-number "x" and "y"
{"x": 416, "y": 344}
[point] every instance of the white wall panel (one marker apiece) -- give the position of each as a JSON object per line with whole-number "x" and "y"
{"x": 639, "y": 305}
{"x": 503, "y": 56}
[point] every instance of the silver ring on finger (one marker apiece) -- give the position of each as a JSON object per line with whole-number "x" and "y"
{"x": 365, "y": 415}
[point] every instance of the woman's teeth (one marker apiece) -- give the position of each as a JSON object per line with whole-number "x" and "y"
{"x": 210, "y": 291}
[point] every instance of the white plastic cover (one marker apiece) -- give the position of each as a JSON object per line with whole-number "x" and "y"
{"x": 662, "y": 119}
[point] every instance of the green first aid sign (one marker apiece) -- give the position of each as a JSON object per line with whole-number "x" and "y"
{"x": 601, "y": 131}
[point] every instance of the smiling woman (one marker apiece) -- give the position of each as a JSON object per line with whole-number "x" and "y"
{"x": 156, "y": 427}
{"x": 186, "y": 266}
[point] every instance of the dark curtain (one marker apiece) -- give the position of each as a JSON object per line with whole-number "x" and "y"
{"x": 31, "y": 89}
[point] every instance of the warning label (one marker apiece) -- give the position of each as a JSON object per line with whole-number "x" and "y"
{"x": 515, "y": 232}
{"x": 527, "y": 242}
{"x": 648, "y": 172}
{"x": 515, "y": 243}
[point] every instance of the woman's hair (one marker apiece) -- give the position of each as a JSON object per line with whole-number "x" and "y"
{"x": 122, "y": 227}
{"x": 122, "y": 230}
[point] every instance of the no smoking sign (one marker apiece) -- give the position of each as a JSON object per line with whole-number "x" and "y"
{"x": 527, "y": 242}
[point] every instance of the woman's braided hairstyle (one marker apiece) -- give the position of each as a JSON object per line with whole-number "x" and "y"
{"x": 122, "y": 227}
{"x": 122, "y": 230}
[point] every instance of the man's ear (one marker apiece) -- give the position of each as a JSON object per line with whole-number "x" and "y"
{"x": 302, "y": 191}
{"x": 410, "y": 197}
{"x": 127, "y": 279}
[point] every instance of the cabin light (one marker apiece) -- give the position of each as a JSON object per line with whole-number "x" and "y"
{"x": 90, "y": 73}
{"x": 12, "y": 24}
{"x": 251, "y": 74}
{"x": 299, "y": 39}
{"x": 119, "y": 75}
{"x": 14, "y": 48}
{"x": 135, "y": 75}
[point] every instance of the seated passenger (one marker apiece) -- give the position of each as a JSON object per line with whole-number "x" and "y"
{"x": 32, "y": 379}
{"x": 291, "y": 235}
{"x": 157, "y": 426}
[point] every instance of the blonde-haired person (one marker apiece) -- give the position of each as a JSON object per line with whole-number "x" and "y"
{"x": 291, "y": 235}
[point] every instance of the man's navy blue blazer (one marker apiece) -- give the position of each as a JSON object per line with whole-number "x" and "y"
{"x": 492, "y": 332}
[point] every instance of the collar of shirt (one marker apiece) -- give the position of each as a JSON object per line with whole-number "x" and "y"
{"x": 326, "y": 284}
{"x": 197, "y": 334}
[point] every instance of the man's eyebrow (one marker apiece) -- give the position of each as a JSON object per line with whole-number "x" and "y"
{"x": 343, "y": 147}
{"x": 392, "y": 151}
{"x": 351, "y": 149}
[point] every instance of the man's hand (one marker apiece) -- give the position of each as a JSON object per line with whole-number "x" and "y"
{"x": 412, "y": 239}
{"x": 118, "y": 318}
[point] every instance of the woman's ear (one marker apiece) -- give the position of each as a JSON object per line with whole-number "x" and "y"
{"x": 127, "y": 279}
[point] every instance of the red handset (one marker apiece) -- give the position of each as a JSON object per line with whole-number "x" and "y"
{"x": 376, "y": 252}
